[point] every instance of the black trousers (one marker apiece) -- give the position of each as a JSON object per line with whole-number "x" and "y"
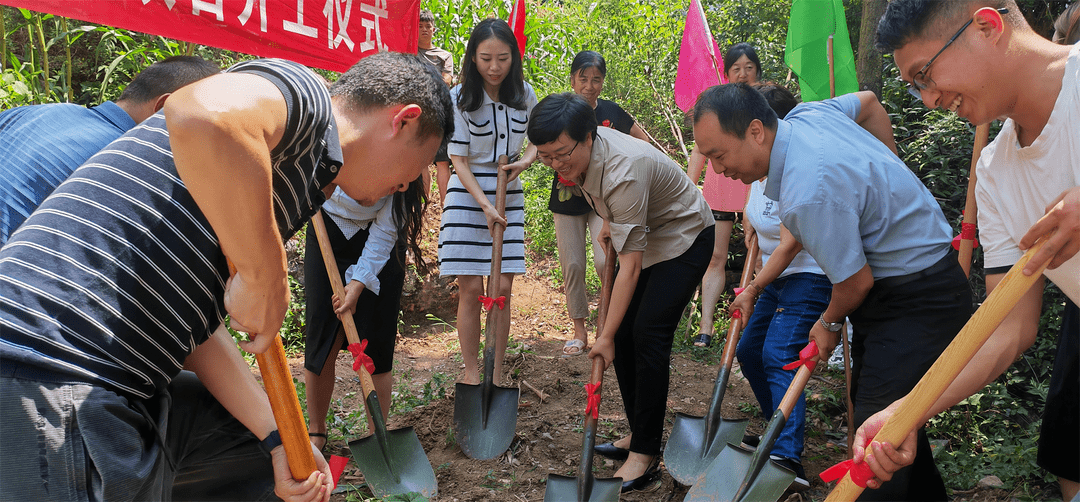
{"x": 1059, "y": 437}
{"x": 899, "y": 332}
{"x": 643, "y": 340}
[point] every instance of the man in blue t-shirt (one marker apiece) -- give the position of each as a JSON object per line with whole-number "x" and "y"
{"x": 41, "y": 145}
{"x": 124, "y": 275}
{"x": 874, "y": 229}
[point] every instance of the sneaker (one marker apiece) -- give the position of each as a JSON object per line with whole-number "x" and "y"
{"x": 800, "y": 483}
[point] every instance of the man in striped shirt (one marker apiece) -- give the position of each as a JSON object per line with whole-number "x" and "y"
{"x": 124, "y": 276}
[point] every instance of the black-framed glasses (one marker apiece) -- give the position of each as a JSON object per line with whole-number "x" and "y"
{"x": 561, "y": 158}
{"x": 919, "y": 81}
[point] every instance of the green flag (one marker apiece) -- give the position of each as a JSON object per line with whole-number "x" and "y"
{"x": 812, "y": 21}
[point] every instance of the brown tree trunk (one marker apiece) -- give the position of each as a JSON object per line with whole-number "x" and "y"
{"x": 868, "y": 63}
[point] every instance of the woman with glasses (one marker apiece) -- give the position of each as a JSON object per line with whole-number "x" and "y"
{"x": 725, "y": 196}
{"x": 662, "y": 229}
{"x": 493, "y": 105}
{"x": 572, "y": 213}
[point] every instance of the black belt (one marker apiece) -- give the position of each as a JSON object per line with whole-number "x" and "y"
{"x": 951, "y": 259}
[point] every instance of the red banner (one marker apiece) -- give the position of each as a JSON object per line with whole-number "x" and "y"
{"x": 328, "y": 34}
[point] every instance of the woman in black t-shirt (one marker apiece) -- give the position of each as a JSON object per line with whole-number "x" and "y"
{"x": 572, "y": 213}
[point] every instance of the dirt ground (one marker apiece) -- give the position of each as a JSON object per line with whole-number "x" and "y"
{"x": 549, "y": 430}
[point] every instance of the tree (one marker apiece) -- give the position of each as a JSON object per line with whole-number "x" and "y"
{"x": 868, "y": 58}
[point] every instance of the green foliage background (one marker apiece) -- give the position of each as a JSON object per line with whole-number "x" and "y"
{"x": 49, "y": 59}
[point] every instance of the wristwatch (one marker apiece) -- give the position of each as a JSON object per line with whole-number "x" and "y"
{"x": 830, "y": 326}
{"x": 272, "y": 440}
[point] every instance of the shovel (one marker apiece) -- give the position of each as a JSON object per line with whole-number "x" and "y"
{"x": 585, "y": 487}
{"x": 696, "y": 441}
{"x": 946, "y": 368}
{"x": 393, "y": 461}
{"x": 485, "y": 415}
{"x": 740, "y": 474}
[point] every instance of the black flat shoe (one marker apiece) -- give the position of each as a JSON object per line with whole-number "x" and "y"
{"x": 611, "y": 451}
{"x": 645, "y": 480}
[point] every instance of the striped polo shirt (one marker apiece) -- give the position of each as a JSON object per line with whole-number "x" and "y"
{"x": 118, "y": 276}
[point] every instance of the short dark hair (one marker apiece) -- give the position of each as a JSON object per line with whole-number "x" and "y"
{"x": 905, "y": 20}
{"x": 558, "y": 113}
{"x": 780, "y": 99}
{"x": 735, "y": 106}
{"x": 512, "y": 89}
{"x": 166, "y": 76}
{"x": 739, "y": 50}
{"x": 588, "y": 59}
{"x": 393, "y": 78}
{"x": 426, "y": 16}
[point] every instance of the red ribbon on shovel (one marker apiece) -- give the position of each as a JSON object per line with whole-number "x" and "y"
{"x": 807, "y": 356}
{"x": 360, "y": 358}
{"x": 593, "y": 400}
{"x": 488, "y": 302}
{"x": 860, "y": 472}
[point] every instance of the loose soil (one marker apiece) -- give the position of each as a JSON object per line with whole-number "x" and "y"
{"x": 549, "y": 429}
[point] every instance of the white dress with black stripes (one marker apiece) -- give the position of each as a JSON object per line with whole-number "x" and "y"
{"x": 483, "y": 135}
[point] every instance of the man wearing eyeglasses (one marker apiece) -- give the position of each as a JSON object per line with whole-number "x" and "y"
{"x": 981, "y": 60}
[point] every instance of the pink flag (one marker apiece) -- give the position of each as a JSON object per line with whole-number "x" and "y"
{"x": 700, "y": 65}
{"x": 517, "y": 23}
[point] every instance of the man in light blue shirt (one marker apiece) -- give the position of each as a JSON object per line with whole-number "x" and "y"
{"x": 871, "y": 225}
{"x": 41, "y": 145}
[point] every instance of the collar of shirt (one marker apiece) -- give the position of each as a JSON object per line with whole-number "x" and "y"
{"x": 594, "y": 174}
{"x": 115, "y": 115}
{"x": 777, "y": 158}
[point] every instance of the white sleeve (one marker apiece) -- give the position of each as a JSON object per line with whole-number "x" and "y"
{"x": 382, "y": 235}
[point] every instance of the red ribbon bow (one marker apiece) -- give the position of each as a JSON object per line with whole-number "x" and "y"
{"x": 860, "y": 472}
{"x": 593, "y": 400}
{"x": 967, "y": 232}
{"x": 738, "y": 291}
{"x": 360, "y": 358}
{"x": 807, "y": 356}
{"x": 736, "y": 314}
{"x": 565, "y": 182}
{"x": 488, "y": 302}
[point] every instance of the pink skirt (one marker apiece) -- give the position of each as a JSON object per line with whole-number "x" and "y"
{"x": 724, "y": 194}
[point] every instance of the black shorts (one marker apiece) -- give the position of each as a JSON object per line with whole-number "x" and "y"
{"x": 724, "y": 215}
{"x": 1060, "y": 434}
{"x": 376, "y": 316}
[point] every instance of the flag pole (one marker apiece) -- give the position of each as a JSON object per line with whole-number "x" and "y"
{"x": 712, "y": 41}
{"x": 832, "y": 67}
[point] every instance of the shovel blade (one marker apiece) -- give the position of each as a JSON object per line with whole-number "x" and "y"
{"x": 688, "y": 453}
{"x": 403, "y": 469}
{"x": 477, "y": 441}
{"x": 721, "y": 480}
{"x": 565, "y": 489}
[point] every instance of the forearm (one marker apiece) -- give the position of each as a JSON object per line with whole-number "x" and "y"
{"x": 848, "y": 295}
{"x": 223, "y": 371}
{"x": 778, "y": 262}
{"x": 695, "y": 165}
{"x": 1015, "y": 334}
{"x": 442, "y": 178}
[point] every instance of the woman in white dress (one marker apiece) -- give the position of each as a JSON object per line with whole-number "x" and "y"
{"x": 493, "y": 106}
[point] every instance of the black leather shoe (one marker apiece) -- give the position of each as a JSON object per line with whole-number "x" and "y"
{"x": 642, "y": 482}
{"x": 611, "y": 451}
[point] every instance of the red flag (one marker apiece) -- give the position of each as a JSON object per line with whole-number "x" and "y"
{"x": 332, "y": 34}
{"x": 700, "y": 66}
{"x": 517, "y": 23}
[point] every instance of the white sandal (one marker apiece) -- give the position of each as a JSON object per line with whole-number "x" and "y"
{"x": 573, "y": 347}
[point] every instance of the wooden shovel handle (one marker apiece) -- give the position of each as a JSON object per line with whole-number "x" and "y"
{"x": 335, "y": 283}
{"x": 289, "y": 418}
{"x": 982, "y": 135}
{"x": 286, "y": 407}
{"x": 497, "y": 235}
{"x": 727, "y": 359}
{"x": 951, "y": 362}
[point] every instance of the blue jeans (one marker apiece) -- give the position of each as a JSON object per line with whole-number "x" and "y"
{"x": 776, "y": 332}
